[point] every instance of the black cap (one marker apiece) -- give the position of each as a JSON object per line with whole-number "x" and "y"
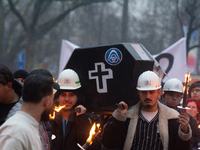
{"x": 46, "y": 73}
{"x": 7, "y": 76}
{"x": 21, "y": 73}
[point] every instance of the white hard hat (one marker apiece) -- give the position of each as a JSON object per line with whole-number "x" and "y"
{"x": 68, "y": 80}
{"x": 174, "y": 85}
{"x": 148, "y": 81}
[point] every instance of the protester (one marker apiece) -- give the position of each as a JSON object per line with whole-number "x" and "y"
{"x": 10, "y": 93}
{"x": 173, "y": 94}
{"x": 21, "y": 130}
{"x": 148, "y": 124}
{"x": 46, "y": 73}
{"x": 70, "y": 127}
{"x": 194, "y": 110}
{"x": 45, "y": 129}
{"x": 194, "y": 90}
{"x": 20, "y": 75}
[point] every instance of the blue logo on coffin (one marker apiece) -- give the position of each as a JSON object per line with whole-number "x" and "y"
{"x": 113, "y": 56}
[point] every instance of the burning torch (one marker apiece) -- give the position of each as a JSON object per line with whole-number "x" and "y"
{"x": 94, "y": 131}
{"x": 185, "y": 93}
{"x": 57, "y": 109}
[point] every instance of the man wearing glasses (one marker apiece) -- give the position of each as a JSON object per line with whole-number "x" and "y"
{"x": 194, "y": 90}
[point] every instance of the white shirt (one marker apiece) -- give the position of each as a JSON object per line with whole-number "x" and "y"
{"x": 20, "y": 132}
{"x": 149, "y": 115}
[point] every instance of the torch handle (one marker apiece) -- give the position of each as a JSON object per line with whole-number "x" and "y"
{"x": 185, "y": 91}
{"x": 119, "y": 106}
{"x": 184, "y": 99}
{"x": 84, "y": 147}
{"x": 78, "y": 109}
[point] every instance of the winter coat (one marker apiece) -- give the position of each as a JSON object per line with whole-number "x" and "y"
{"x": 76, "y": 132}
{"x": 120, "y": 130}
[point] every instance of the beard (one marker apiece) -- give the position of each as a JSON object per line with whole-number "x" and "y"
{"x": 147, "y": 105}
{"x": 45, "y": 115}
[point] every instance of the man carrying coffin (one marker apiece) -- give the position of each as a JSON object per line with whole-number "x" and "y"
{"x": 148, "y": 124}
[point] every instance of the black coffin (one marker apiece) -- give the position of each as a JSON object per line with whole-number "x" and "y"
{"x": 109, "y": 73}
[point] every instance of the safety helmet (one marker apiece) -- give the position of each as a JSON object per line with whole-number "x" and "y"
{"x": 174, "y": 85}
{"x": 148, "y": 81}
{"x": 68, "y": 80}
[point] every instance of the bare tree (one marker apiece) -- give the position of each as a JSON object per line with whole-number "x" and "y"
{"x": 34, "y": 28}
{"x": 155, "y": 26}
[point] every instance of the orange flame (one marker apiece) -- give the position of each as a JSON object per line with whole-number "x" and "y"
{"x": 93, "y": 132}
{"x": 187, "y": 79}
{"x": 198, "y": 126}
{"x": 57, "y": 108}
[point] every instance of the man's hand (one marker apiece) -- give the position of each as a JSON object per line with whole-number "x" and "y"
{"x": 184, "y": 121}
{"x": 82, "y": 108}
{"x": 123, "y": 111}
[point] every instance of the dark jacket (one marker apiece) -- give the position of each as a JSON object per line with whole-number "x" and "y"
{"x": 76, "y": 131}
{"x": 116, "y": 136}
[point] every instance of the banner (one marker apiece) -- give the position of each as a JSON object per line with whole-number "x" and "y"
{"x": 173, "y": 60}
{"x": 66, "y": 50}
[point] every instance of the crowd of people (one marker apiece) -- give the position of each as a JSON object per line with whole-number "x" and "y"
{"x": 28, "y": 99}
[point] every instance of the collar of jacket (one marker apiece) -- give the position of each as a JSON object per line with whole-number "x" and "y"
{"x": 165, "y": 113}
{"x": 58, "y": 118}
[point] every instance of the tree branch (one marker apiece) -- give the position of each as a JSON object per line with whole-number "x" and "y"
{"x": 44, "y": 6}
{"x": 196, "y": 27}
{"x": 42, "y": 29}
{"x": 178, "y": 16}
{"x": 14, "y": 10}
{"x": 36, "y": 13}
